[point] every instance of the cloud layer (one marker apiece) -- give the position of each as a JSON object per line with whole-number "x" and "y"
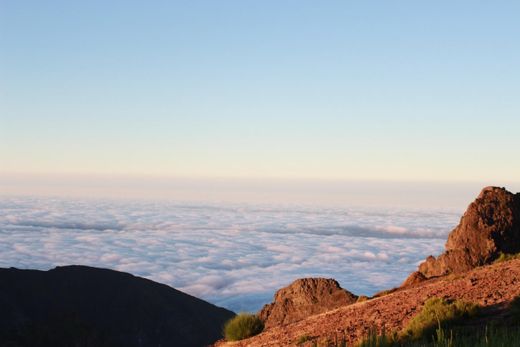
{"x": 232, "y": 255}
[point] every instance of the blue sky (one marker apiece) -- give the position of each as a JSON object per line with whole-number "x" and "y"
{"x": 381, "y": 90}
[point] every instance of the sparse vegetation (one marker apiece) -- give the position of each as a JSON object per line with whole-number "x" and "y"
{"x": 362, "y": 298}
{"x": 375, "y": 340}
{"x": 492, "y": 336}
{"x": 506, "y": 257}
{"x": 303, "y": 339}
{"x": 439, "y": 313}
{"x": 446, "y": 332}
{"x": 242, "y": 326}
{"x": 441, "y": 323}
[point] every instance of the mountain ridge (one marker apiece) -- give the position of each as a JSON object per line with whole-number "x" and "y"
{"x": 492, "y": 287}
{"x": 87, "y": 306}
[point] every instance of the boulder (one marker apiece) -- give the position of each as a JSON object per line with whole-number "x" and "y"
{"x": 305, "y": 297}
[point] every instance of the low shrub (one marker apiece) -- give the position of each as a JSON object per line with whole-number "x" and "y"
{"x": 242, "y": 326}
{"x": 438, "y": 313}
{"x": 502, "y": 257}
{"x": 484, "y": 336}
{"x": 303, "y": 339}
{"x": 362, "y": 298}
{"x": 375, "y": 340}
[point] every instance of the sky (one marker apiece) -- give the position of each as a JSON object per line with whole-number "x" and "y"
{"x": 405, "y": 91}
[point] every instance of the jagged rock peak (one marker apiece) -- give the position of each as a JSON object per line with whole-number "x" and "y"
{"x": 305, "y": 297}
{"x": 490, "y": 226}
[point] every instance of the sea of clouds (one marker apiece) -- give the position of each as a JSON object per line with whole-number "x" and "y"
{"x": 232, "y": 255}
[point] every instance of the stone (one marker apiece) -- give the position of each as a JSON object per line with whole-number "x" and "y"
{"x": 305, "y": 297}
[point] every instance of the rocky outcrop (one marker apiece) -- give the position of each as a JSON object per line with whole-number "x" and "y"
{"x": 305, "y": 297}
{"x": 85, "y": 306}
{"x": 490, "y": 226}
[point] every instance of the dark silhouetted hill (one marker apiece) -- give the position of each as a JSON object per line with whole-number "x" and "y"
{"x": 84, "y": 306}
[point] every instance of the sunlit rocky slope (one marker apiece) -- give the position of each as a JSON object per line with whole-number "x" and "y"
{"x": 477, "y": 267}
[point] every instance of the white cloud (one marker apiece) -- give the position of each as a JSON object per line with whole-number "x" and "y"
{"x": 232, "y": 255}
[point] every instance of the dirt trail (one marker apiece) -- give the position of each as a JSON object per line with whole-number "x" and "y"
{"x": 490, "y": 286}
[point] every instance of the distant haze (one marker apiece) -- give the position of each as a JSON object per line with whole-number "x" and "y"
{"x": 452, "y": 195}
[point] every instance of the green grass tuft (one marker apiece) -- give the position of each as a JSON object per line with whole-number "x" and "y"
{"x": 438, "y": 312}
{"x": 303, "y": 339}
{"x": 502, "y": 257}
{"x": 490, "y": 336}
{"x": 375, "y": 340}
{"x": 242, "y": 326}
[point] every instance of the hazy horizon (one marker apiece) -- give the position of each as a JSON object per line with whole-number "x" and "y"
{"x": 310, "y": 192}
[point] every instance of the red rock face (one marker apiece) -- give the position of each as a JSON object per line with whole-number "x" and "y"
{"x": 303, "y": 298}
{"x": 490, "y": 225}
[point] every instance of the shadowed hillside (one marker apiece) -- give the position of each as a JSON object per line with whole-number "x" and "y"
{"x": 85, "y": 306}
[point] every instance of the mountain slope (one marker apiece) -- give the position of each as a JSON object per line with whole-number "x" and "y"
{"x": 490, "y": 286}
{"x": 85, "y": 306}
